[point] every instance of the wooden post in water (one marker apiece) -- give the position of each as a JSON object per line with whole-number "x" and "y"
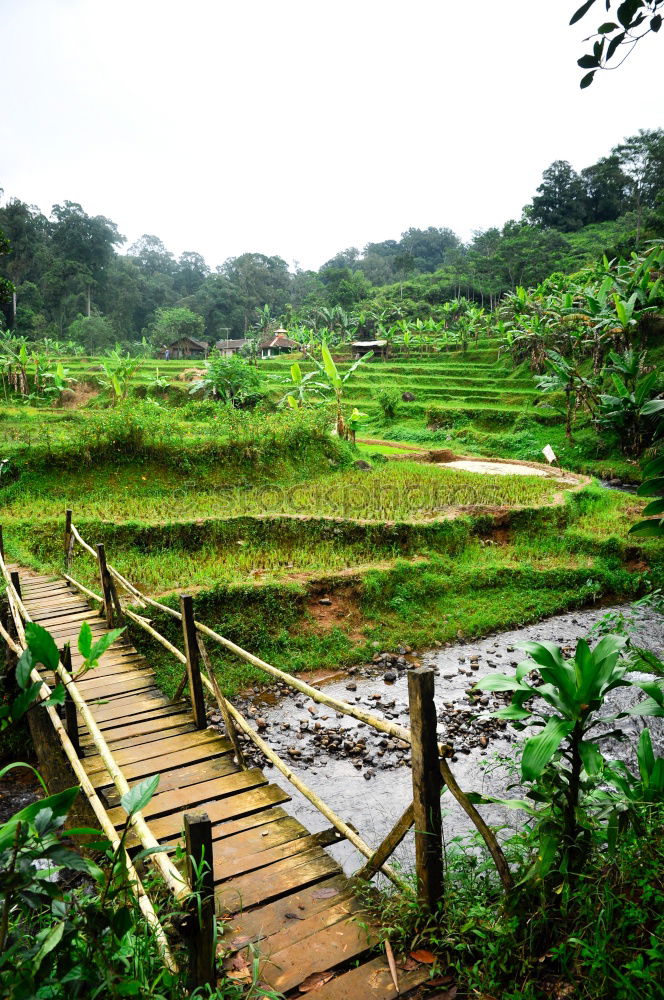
{"x": 426, "y": 787}
{"x": 69, "y": 539}
{"x": 71, "y": 715}
{"x": 192, "y": 652}
{"x": 200, "y": 876}
{"x": 106, "y": 587}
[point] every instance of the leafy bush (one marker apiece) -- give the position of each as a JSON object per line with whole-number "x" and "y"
{"x": 388, "y": 400}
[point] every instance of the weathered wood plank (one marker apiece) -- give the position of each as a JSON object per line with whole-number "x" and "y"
{"x": 372, "y": 979}
{"x": 181, "y": 799}
{"x": 258, "y": 839}
{"x": 131, "y": 730}
{"x": 201, "y": 738}
{"x": 276, "y": 880}
{"x": 185, "y": 777}
{"x": 167, "y": 827}
{"x": 323, "y": 950}
{"x": 226, "y": 868}
{"x": 285, "y": 914}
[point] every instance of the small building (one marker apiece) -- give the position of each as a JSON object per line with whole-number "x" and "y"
{"x": 278, "y": 343}
{"x": 376, "y": 347}
{"x": 185, "y": 348}
{"x": 227, "y": 348}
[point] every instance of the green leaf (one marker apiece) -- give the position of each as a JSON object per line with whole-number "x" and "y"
{"x": 138, "y": 797}
{"x": 42, "y": 646}
{"x": 656, "y": 23}
{"x": 539, "y": 749}
{"x": 57, "y": 697}
{"x": 85, "y": 640}
{"x": 499, "y": 682}
{"x": 102, "y": 644}
{"x": 49, "y": 939}
{"x": 645, "y": 755}
{"x": 24, "y": 669}
{"x": 59, "y": 804}
{"x": 648, "y": 529}
{"x": 587, "y": 79}
{"x": 25, "y": 700}
{"x": 582, "y": 11}
{"x": 654, "y": 507}
{"x": 651, "y": 487}
{"x": 329, "y": 365}
{"x": 592, "y": 759}
{"x": 588, "y": 62}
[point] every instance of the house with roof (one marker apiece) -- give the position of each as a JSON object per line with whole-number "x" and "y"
{"x": 376, "y": 347}
{"x": 278, "y": 343}
{"x": 184, "y": 349}
{"x": 227, "y": 348}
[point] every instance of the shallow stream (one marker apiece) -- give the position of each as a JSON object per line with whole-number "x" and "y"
{"x": 365, "y": 776}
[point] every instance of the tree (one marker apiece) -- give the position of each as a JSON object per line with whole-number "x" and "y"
{"x": 561, "y": 202}
{"x": 634, "y": 20}
{"x": 191, "y": 273}
{"x": 258, "y": 281}
{"x": 86, "y": 240}
{"x": 641, "y": 157}
{"x": 151, "y": 256}
{"x": 94, "y": 333}
{"x": 428, "y": 247}
{"x": 172, "y": 324}
{"x": 230, "y": 380}
{"x": 605, "y": 189}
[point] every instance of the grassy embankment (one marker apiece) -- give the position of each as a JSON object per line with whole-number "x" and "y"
{"x": 262, "y": 515}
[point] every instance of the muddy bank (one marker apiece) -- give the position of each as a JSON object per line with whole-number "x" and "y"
{"x": 365, "y": 776}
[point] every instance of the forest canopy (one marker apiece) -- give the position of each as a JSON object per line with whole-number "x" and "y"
{"x": 74, "y": 278}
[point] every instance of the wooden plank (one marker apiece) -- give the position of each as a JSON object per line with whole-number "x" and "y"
{"x": 132, "y": 680}
{"x": 276, "y": 880}
{"x": 138, "y": 744}
{"x": 202, "y": 738}
{"x": 134, "y": 710}
{"x": 181, "y": 798}
{"x": 286, "y": 913}
{"x": 323, "y": 950}
{"x": 372, "y": 979}
{"x": 254, "y": 821}
{"x": 163, "y": 764}
{"x": 167, "y": 827}
{"x": 258, "y": 839}
{"x": 184, "y": 777}
{"x": 226, "y": 868}
{"x": 121, "y": 730}
{"x": 298, "y": 926}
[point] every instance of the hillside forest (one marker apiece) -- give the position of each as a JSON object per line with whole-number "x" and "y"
{"x": 75, "y": 280}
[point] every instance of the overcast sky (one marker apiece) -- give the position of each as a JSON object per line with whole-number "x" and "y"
{"x": 302, "y": 127}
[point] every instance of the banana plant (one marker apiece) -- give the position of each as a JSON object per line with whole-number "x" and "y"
{"x": 562, "y": 764}
{"x": 335, "y": 381}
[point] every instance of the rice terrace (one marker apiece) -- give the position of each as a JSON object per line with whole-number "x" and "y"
{"x": 332, "y": 597}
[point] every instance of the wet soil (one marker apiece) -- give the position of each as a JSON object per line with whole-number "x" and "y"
{"x": 365, "y": 776}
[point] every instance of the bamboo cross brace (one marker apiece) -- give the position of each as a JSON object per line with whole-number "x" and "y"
{"x": 84, "y": 590}
{"x": 329, "y": 814}
{"x": 223, "y": 704}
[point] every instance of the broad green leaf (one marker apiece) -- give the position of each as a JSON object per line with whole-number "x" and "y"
{"x": 649, "y": 529}
{"x": 25, "y": 700}
{"x": 645, "y": 755}
{"x": 24, "y": 669}
{"x": 499, "y": 682}
{"x": 42, "y": 646}
{"x": 592, "y": 759}
{"x": 48, "y": 939}
{"x": 539, "y": 749}
{"x": 59, "y": 804}
{"x": 85, "y": 640}
{"x": 329, "y": 365}
{"x": 102, "y": 644}
{"x": 138, "y": 797}
{"x": 654, "y": 507}
{"x": 582, "y": 11}
{"x": 57, "y": 697}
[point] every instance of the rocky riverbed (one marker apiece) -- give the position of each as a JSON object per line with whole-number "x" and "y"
{"x": 365, "y": 776}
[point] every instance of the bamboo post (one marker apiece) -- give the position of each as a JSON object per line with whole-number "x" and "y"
{"x": 200, "y": 876}
{"x": 105, "y": 585}
{"x": 193, "y": 655}
{"x": 71, "y": 715}
{"x": 69, "y": 539}
{"x": 2, "y": 545}
{"x": 426, "y": 788}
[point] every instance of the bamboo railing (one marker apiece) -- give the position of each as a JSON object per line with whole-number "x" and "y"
{"x": 20, "y": 618}
{"x": 376, "y": 860}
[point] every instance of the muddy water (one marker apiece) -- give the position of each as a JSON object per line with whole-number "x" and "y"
{"x": 366, "y": 777}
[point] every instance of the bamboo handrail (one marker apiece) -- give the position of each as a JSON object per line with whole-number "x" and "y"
{"x": 382, "y": 725}
{"x": 156, "y": 635}
{"x": 308, "y": 793}
{"x": 84, "y": 590}
{"x": 169, "y": 872}
{"x": 100, "y": 812}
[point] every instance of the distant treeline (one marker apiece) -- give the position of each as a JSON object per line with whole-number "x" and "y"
{"x": 67, "y": 265}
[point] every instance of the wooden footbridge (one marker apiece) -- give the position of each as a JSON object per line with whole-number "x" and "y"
{"x": 278, "y": 896}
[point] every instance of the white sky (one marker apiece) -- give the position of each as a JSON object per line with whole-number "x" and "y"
{"x": 302, "y": 127}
